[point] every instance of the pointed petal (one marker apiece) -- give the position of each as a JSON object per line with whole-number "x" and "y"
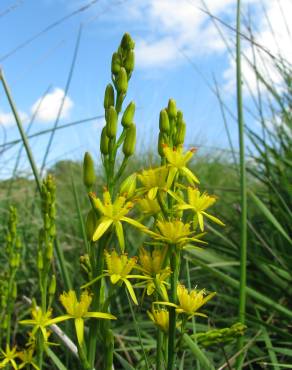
{"x": 79, "y": 326}
{"x": 101, "y": 315}
{"x": 134, "y": 223}
{"x": 171, "y": 176}
{"x": 201, "y": 221}
{"x": 131, "y": 291}
{"x": 167, "y": 304}
{"x": 190, "y": 175}
{"x": 58, "y": 319}
{"x": 152, "y": 193}
{"x": 213, "y": 218}
{"x": 101, "y": 229}
{"x": 120, "y": 234}
{"x": 93, "y": 281}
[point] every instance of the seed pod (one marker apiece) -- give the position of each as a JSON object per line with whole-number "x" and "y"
{"x": 88, "y": 171}
{"x": 52, "y": 287}
{"x": 109, "y": 96}
{"x": 90, "y": 224}
{"x": 128, "y": 115}
{"x": 130, "y": 141}
{"x": 163, "y": 122}
{"x": 116, "y": 63}
{"x": 127, "y": 42}
{"x": 171, "y": 109}
{"x": 180, "y": 134}
{"x": 128, "y": 186}
{"x": 47, "y": 222}
{"x": 130, "y": 61}
{"x": 111, "y": 122}
{"x": 161, "y": 143}
{"x": 104, "y": 142}
{"x": 122, "y": 81}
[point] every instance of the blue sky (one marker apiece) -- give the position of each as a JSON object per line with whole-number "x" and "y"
{"x": 178, "y": 53}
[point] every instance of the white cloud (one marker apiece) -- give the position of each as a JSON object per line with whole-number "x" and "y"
{"x": 7, "y": 119}
{"x": 276, "y": 41}
{"x": 48, "y": 106}
{"x": 174, "y": 28}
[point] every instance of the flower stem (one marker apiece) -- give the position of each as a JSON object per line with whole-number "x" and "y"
{"x": 243, "y": 194}
{"x": 175, "y": 267}
{"x": 159, "y": 341}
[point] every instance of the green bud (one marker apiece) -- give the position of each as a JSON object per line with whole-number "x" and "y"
{"x": 52, "y": 287}
{"x": 49, "y": 251}
{"x": 109, "y": 96}
{"x": 111, "y": 122}
{"x": 128, "y": 115}
{"x": 88, "y": 171}
{"x": 161, "y": 143}
{"x": 47, "y": 222}
{"x": 127, "y": 42}
{"x": 179, "y": 117}
{"x": 90, "y": 224}
{"x": 53, "y": 230}
{"x": 53, "y": 211}
{"x": 128, "y": 186}
{"x": 181, "y": 133}
{"x": 116, "y": 63}
{"x": 163, "y": 121}
{"x": 40, "y": 261}
{"x": 104, "y": 142}
{"x": 122, "y": 81}
{"x": 130, "y": 141}
{"x": 130, "y": 61}
{"x": 171, "y": 109}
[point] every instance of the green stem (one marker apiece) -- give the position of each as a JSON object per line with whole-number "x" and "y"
{"x": 138, "y": 331}
{"x": 60, "y": 255}
{"x": 159, "y": 342}
{"x": 243, "y": 190}
{"x": 175, "y": 267}
{"x": 206, "y": 364}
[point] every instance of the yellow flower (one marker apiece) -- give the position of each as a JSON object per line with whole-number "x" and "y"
{"x": 152, "y": 266}
{"x": 40, "y": 321}
{"x": 198, "y": 202}
{"x": 8, "y": 357}
{"x": 189, "y": 302}
{"x": 118, "y": 269}
{"x": 26, "y": 356}
{"x": 177, "y": 161}
{"x": 160, "y": 318}
{"x": 113, "y": 214}
{"x": 78, "y": 310}
{"x": 175, "y": 232}
{"x": 153, "y": 179}
{"x": 149, "y": 206}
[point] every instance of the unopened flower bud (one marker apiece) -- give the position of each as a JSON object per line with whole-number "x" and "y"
{"x": 181, "y": 133}
{"x": 111, "y": 122}
{"x": 164, "y": 122}
{"x": 104, "y": 142}
{"x": 128, "y": 115}
{"x": 161, "y": 143}
{"x": 130, "y": 141}
{"x": 116, "y": 63}
{"x": 128, "y": 186}
{"x": 109, "y": 96}
{"x": 90, "y": 224}
{"x": 47, "y": 222}
{"x": 49, "y": 251}
{"x": 130, "y": 61}
{"x": 122, "y": 81}
{"x": 127, "y": 42}
{"x": 53, "y": 230}
{"x": 40, "y": 261}
{"x": 52, "y": 286}
{"x": 88, "y": 171}
{"x": 171, "y": 109}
